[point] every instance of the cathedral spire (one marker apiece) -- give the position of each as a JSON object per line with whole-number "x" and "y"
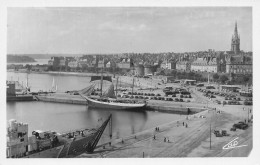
{"x": 235, "y": 32}
{"x": 235, "y": 42}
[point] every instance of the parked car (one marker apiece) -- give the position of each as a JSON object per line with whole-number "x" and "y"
{"x": 240, "y": 125}
{"x": 210, "y": 87}
{"x": 248, "y": 103}
{"x": 200, "y": 85}
{"x": 185, "y": 93}
{"x": 169, "y": 92}
{"x": 212, "y": 96}
{"x": 166, "y": 89}
{"x": 217, "y": 133}
{"x": 217, "y": 102}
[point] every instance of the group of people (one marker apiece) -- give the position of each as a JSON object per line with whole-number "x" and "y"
{"x": 166, "y": 139}
{"x": 183, "y": 124}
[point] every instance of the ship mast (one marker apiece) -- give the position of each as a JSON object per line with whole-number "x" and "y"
{"x": 101, "y": 85}
{"x": 133, "y": 81}
{"x": 27, "y": 83}
{"x": 110, "y": 127}
{"x": 208, "y": 78}
{"x": 133, "y": 86}
{"x": 116, "y": 85}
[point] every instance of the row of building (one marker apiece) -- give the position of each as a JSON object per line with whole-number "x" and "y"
{"x": 234, "y": 61}
{"x": 220, "y": 62}
{"x": 77, "y": 62}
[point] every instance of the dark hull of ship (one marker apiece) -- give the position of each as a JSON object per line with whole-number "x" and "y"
{"x": 72, "y": 149}
{"x": 75, "y": 146}
{"x": 112, "y": 105}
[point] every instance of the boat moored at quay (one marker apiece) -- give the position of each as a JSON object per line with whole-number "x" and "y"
{"x": 50, "y": 144}
{"x": 108, "y": 99}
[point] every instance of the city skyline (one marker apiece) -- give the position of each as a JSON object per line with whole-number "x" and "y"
{"x": 123, "y": 30}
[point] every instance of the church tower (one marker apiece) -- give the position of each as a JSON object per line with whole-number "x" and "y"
{"x": 235, "y": 42}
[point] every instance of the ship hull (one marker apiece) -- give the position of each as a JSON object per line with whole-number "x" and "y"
{"x": 67, "y": 145}
{"x": 113, "y": 105}
{"x": 72, "y": 149}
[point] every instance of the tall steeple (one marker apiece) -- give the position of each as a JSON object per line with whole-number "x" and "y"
{"x": 235, "y": 42}
{"x": 235, "y": 29}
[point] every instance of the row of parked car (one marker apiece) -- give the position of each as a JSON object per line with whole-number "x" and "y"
{"x": 230, "y": 98}
{"x": 233, "y": 98}
{"x": 143, "y": 94}
{"x": 248, "y": 102}
{"x": 207, "y": 93}
{"x": 171, "y": 91}
{"x": 232, "y": 102}
{"x": 228, "y": 95}
{"x": 177, "y": 92}
{"x": 153, "y": 98}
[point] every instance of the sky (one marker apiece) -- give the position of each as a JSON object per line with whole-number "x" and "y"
{"x": 126, "y": 29}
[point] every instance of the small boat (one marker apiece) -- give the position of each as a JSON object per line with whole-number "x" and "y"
{"x": 54, "y": 86}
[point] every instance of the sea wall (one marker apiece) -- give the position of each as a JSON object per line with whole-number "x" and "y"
{"x": 175, "y": 109}
{"x": 20, "y": 98}
{"x": 62, "y": 100}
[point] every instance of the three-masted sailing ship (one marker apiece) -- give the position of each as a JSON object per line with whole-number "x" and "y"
{"x": 108, "y": 99}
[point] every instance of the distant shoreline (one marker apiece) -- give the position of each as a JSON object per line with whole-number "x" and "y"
{"x": 124, "y": 79}
{"x": 21, "y": 62}
{"x": 59, "y": 73}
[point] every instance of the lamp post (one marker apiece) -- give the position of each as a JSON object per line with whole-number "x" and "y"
{"x": 248, "y": 115}
{"x": 212, "y": 113}
{"x": 210, "y": 136}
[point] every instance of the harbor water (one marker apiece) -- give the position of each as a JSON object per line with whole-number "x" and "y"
{"x": 66, "y": 117}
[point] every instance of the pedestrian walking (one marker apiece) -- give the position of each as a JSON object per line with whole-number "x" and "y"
{"x": 186, "y": 125}
{"x": 154, "y": 137}
{"x": 183, "y": 123}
